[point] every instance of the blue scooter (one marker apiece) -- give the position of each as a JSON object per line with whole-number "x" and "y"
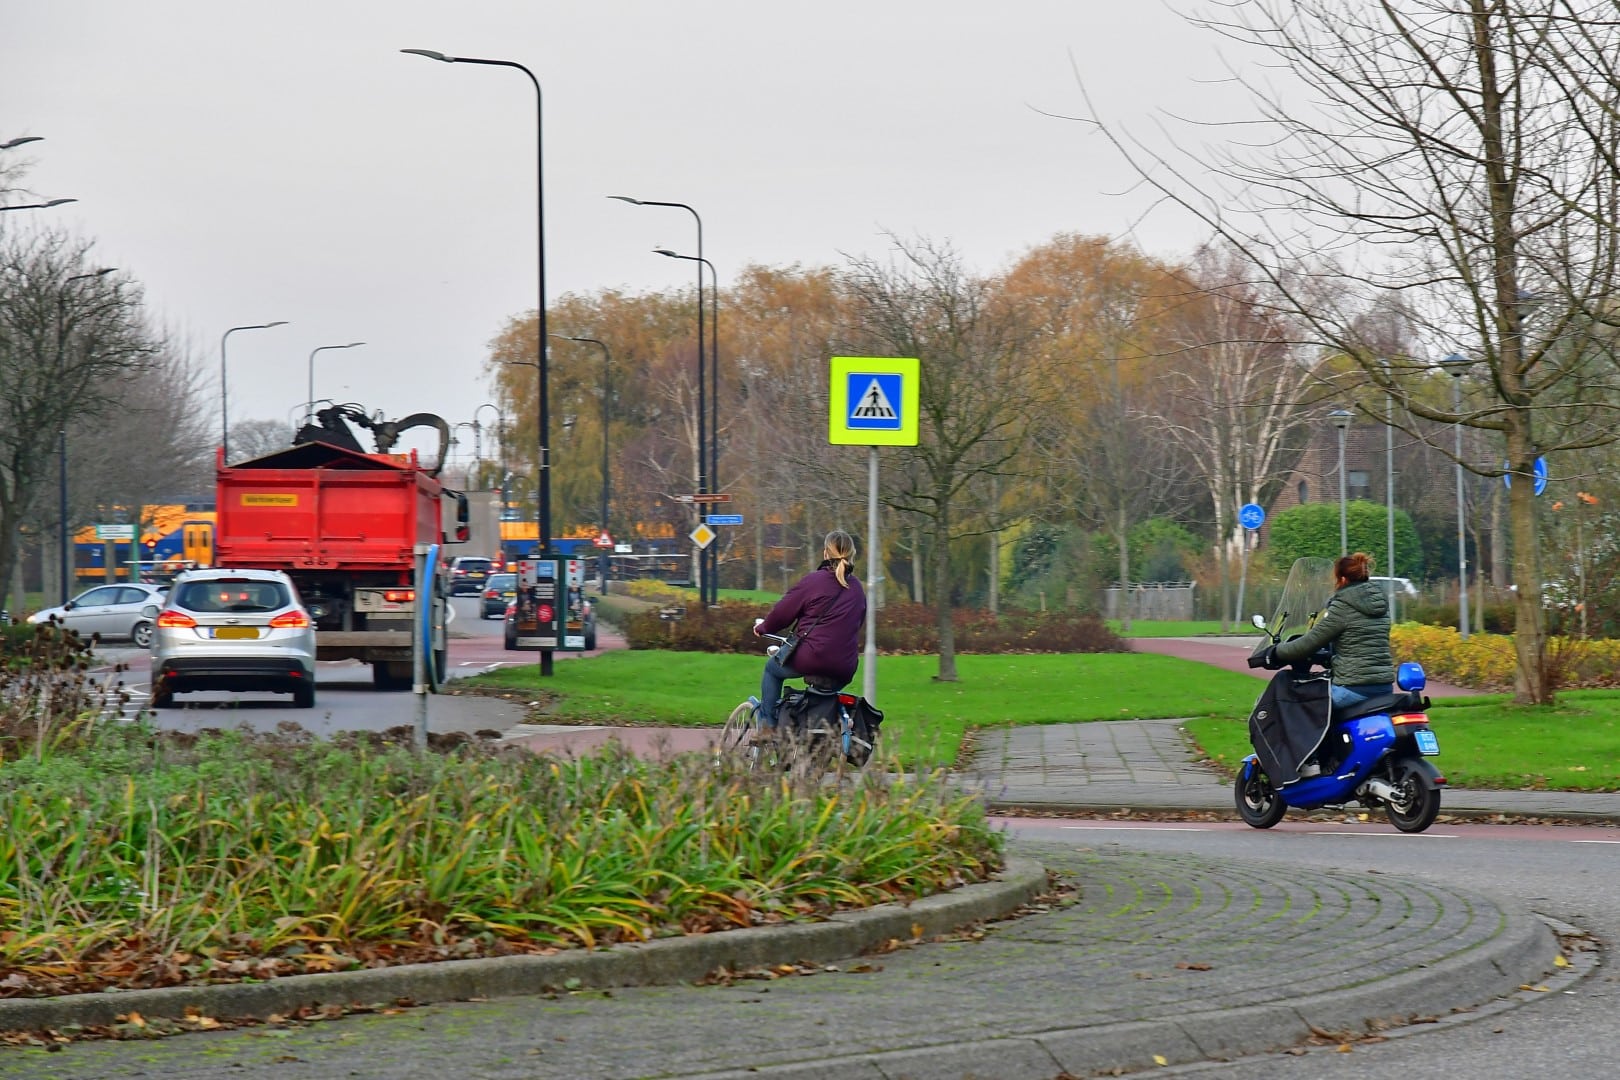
{"x": 1308, "y": 755}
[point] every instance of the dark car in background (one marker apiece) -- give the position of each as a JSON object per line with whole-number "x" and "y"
{"x": 468, "y": 574}
{"x": 499, "y": 593}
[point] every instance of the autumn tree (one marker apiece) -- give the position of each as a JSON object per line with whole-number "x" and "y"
{"x": 1459, "y": 155}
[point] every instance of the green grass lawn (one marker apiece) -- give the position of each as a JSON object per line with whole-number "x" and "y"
{"x": 1489, "y": 742}
{"x": 924, "y": 720}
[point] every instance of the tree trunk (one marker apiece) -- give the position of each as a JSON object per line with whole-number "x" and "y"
{"x": 942, "y": 595}
{"x": 1499, "y": 552}
{"x": 916, "y": 564}
{"x": 1122, "y": 535}
{"x": 1529, "y": 623}
{"x": 995, "y": 574}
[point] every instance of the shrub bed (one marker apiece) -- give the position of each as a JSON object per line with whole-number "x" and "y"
{"x": 141, "y": 859}
{"x": 1487, "y": 661}
{"x": 902, "y": 628}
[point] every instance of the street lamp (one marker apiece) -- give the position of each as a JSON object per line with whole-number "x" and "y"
{"x": 41, "y": 205}
{"x": 478, "y": 433}
{"x": 224, "y": 409}
{"x": 20, "y": 140}
{"x": 607, "y": 390}
{"x": 540, "y": 307}
{"x": 711, "y": 554}
{"x": 309, "y": 405}
{"x": 1456, "y": 365}
{"x": 61, "y": 432}
{"x": 1389, "y": 495}
{"x": 1341, "y": 420}
{"x": 704, "y": 476}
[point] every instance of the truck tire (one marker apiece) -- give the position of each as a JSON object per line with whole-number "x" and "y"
{"x": 391, "y": 675}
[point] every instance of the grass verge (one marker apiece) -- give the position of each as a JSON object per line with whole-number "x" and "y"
{"x": 925, "y": 719}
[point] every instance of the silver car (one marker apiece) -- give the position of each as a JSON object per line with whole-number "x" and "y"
{"x": 234, "y": 630}
{"x": 110, "y": 611}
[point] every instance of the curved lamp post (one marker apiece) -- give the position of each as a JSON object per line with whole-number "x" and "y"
{"x": 607, "y": 389}
{"x": 224, "y": 406}
{"x": 309, "y": 406}
{"x": 1456, "y": 365}
{"x": 704, "y": 468}
{"x": 540, "y": 306}
{"x": 711, "y": 557}
{"x": 1341, "y": 420}
{"x": 61, "y": 432}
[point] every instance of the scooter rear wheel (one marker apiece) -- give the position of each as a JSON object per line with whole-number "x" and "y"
{"x": 1258, "y": 803}
{"x": 1420, "y": 799}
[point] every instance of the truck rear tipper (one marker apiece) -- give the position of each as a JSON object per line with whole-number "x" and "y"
{"x": 345, "y": 525}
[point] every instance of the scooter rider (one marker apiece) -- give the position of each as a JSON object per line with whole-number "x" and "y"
{"x": 1355, "y": 622}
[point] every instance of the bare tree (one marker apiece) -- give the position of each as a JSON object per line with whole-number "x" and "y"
{"x": 256, "y": 438}
{"x": 1456, "y": 155}
{"x": 71, "y": 339}
{"x": 979, "y": 391}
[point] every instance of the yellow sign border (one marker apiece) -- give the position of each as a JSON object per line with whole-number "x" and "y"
{"x": 839, "y": 433}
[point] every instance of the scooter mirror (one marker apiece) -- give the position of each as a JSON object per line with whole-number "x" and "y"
{"x": 1259, "y": 621}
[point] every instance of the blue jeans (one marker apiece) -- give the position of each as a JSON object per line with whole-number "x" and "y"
{"x": 770, "y": 690}
{"x": 1346, "y": 696}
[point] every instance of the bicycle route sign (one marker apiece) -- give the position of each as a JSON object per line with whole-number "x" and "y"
{"x": 873, "y": 401}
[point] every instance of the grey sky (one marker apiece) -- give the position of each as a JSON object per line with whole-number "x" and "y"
{"x": 285, "y": 161}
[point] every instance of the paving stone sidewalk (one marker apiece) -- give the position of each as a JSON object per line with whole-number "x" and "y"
{"x": 1162, "y": 957}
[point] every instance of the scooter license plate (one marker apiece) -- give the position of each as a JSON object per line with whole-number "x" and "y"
{"x": 1426, "y": 742}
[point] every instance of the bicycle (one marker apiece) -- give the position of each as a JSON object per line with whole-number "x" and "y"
{"x": 834, "y": 728}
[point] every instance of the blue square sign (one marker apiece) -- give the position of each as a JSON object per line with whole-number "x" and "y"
{"x": 873, "y": 400}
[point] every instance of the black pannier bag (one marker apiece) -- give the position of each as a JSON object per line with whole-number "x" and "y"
{"x": 820, "y": 715}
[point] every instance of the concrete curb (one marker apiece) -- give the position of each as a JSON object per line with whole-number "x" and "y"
{"x": 666, "y": 960}
{"x": 1522, "y": 952}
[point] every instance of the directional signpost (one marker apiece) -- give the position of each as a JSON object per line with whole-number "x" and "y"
{"x": 724, "y": 519}
{"x": 873, "y": 402}
{"x": 1251, "y": 516}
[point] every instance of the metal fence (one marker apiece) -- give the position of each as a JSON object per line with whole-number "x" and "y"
{"x": 1150, "y": 600}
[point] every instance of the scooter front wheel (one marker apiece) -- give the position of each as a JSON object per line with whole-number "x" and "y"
{"x": 1417, "y": 800}
{"x": 1258, "y": 803}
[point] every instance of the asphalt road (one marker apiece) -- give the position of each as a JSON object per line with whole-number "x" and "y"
{"x": 1571, "y": 874}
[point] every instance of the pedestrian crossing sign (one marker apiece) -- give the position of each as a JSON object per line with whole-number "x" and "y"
{"x": 873, "y": 401}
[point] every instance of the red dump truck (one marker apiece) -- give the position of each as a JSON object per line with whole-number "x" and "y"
{"x": 345, "y": 524}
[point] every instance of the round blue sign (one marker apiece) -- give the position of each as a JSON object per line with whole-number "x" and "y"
{"x": 1538, "y": 483}
{"x": 1251, "y": 515}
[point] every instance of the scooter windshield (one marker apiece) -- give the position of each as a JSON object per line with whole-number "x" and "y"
{"x": 1305, "y": 594}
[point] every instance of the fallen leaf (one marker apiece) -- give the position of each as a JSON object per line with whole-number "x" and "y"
{"x": 1184, "y": 966}
{"x": 1559, "y": 961}
{"x": 1533, "y": 989}
{"x": 1160, "y": 1059}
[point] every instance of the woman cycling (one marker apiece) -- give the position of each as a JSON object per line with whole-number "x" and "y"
{"x": 1355, "y": 621}
{"x": 829, "y": 606}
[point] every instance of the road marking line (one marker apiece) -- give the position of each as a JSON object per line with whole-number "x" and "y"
{"x": 1392, "y": 835}
{"x": 1595, "y": 841}
{"x": 1133, "y": 828}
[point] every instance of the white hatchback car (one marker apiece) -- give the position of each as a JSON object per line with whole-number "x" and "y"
{"x": 236, "y": 630}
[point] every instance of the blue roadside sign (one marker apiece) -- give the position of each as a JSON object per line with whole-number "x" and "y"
{"x": 724, "y": 519}
{"x": 1251, "y": 515}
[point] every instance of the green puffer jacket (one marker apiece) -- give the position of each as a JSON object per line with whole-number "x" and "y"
{"x": 1356, "y": 623}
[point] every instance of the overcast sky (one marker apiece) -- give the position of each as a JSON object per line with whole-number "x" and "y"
{"x": 284, "y": 161}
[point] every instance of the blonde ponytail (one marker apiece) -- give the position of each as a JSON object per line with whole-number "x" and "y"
{"x": 839, "y": 549}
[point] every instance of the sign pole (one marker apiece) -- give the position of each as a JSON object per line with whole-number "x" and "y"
{"x": 419, "y": 651}
{"x": 869, "y": 661}
{"x": 1251, "y": 516}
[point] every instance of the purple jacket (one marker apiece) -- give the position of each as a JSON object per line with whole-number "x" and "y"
{"x": 830, "y": 617}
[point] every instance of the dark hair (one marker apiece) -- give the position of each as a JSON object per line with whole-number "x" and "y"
{"x": 1353, "y": 568}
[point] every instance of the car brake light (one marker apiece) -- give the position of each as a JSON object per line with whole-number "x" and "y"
{"x": 175, "y": 619}
{"x": 399, "y": 596}
{"x": 1410, "y": 718}
{"x": 492, "y": 594}
{"x": 296, "y": 620}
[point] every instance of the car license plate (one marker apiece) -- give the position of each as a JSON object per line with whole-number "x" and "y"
{"x": 1426, "y": 742}
{"x": 236, "y": 633}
